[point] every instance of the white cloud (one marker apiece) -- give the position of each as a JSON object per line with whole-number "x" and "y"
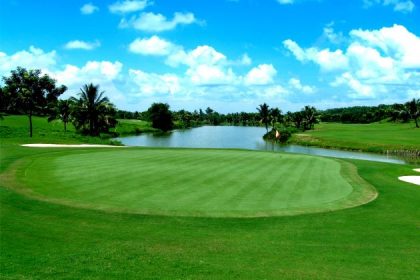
{"x": 88, "y": 9}
{"x": 245, "y": 60}
{"x": 396, "y": 42}
{"x": 82, "y": 45}
{"x": 263, "y": 74}
{"x": 326, "y": 59}
{"x": 152, "y": 46}
{"x": 374, "y": 62}
{"x": 357, "y": 88}
{"x": 206, "y": 75}
{"x": 295, "y": 84}
{"x": 34, "y": 58}
{"x": 92, "y": 71}
{"x": 332, "y": 36}
{"x": 152, "y": 83}
{"x": 151, "y": 22}
{"x": 404, "y": 6}
{"x": 129, "y": 6}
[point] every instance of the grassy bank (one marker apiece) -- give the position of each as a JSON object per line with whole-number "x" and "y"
{"x": 375, "y": 137}
{"x": 16, "y": 127}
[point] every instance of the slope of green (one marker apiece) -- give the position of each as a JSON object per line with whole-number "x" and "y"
{"x": 375, "y": 137}
{"x": 194, "y": 182}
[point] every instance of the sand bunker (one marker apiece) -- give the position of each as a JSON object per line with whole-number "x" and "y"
{"x": 411, "y": 179}
{"x": 70, "y": 146}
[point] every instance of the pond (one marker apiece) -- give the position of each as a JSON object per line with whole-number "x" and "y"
{"x": 239, "y": 137}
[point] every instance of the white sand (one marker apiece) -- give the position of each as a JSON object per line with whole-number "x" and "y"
{"x": 411, "y": 179}
{"x": 70, "y": 146}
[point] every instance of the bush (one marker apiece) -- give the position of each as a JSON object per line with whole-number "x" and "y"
{"x": 284, "y": 134}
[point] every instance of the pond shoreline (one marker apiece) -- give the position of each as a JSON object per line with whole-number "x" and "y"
{"x": 239, "y": 137}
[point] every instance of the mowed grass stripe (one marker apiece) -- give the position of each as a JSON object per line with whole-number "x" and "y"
{"x": 191, "y": 182}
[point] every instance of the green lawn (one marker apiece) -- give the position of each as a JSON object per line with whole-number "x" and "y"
{"x": 375, "y": 137}
{"x": 40, "y": 239}
{"x": 193, "y": 182}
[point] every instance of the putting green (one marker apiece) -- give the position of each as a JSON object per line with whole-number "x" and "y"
{"x": 194, "y": 182}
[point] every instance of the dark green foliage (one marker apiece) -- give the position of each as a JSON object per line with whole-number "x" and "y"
{"x": 93, "y": 113}
{"x": 27, "y": 92}
{"x": 275, "y": 116}
{"x": 160, "y": 116}
{"x": 412, "y": 109}
{"x": 284, "y": 133}
{"x": 264, "y": 112}
{"x": 63, "y": 111}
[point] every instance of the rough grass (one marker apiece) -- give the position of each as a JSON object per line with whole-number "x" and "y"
{"x": 192, "y": 182}
{"x": 375, "y": 137}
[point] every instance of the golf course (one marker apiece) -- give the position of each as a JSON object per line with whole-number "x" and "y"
{"x": 164, "y": 213}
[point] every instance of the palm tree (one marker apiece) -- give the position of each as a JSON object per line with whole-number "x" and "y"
{"x": 309, "y": 116}
{"x": 412, "y": 109}
{"x": 276, "y": 116}
{"x": 264, "y": 112}
{"x": 63, "y": 112}
{"x": 93, "y": 111}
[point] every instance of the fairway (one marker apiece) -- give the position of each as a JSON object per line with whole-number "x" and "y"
{"x": 216, "y": 183}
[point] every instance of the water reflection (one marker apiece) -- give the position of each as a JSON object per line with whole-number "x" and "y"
{"x": 240, "y": 138}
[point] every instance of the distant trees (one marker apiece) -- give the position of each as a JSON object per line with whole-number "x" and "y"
{"x": 309, "y": 115}
{"x": 29, "y": 92}
{"x": 264, "y": 113}
{"x": 412, "y": 110}
{"x": 93, "y": 113}
{"x": 63, "y": 111}
{"x": 160, "y": 116}
{"x": 275, "y": 116}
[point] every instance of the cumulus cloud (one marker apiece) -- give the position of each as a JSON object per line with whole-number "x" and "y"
{"x": 34, "y": 58}
{"x": 152, "y": 46}
{"x": 152, "y": 83}
{"x": 128, "y": 6}
{"x": 82, "y": 45}
{"x": 404, "y": 6}
{"x": 396, "y": 42}
{"x": 263, "y": 74}
{"x": 151, "y": 22}
{"x": 373, "y": 62}
{"x": 328, "y": 60}
{"x": 295, "y": 84}
{"x": 88, "y": 9}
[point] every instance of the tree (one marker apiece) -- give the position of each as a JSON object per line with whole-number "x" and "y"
{"x": 309, "y": 117}
{"x": 161, "y": 116}
{"x": 275, "y": 116}
{"x": 63, "y": 112}
{"x": 93, "y": 112}
{"x": 30, "y": 93}
{"x": 264, "y": 113}
{"x": 412, "y": 109}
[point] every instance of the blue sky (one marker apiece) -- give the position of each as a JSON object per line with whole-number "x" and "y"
{"x": 226, "y": 54}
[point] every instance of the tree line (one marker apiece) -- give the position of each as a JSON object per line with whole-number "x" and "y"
{"x": 369, "y": 114}
{"x": 31, "y": 93}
